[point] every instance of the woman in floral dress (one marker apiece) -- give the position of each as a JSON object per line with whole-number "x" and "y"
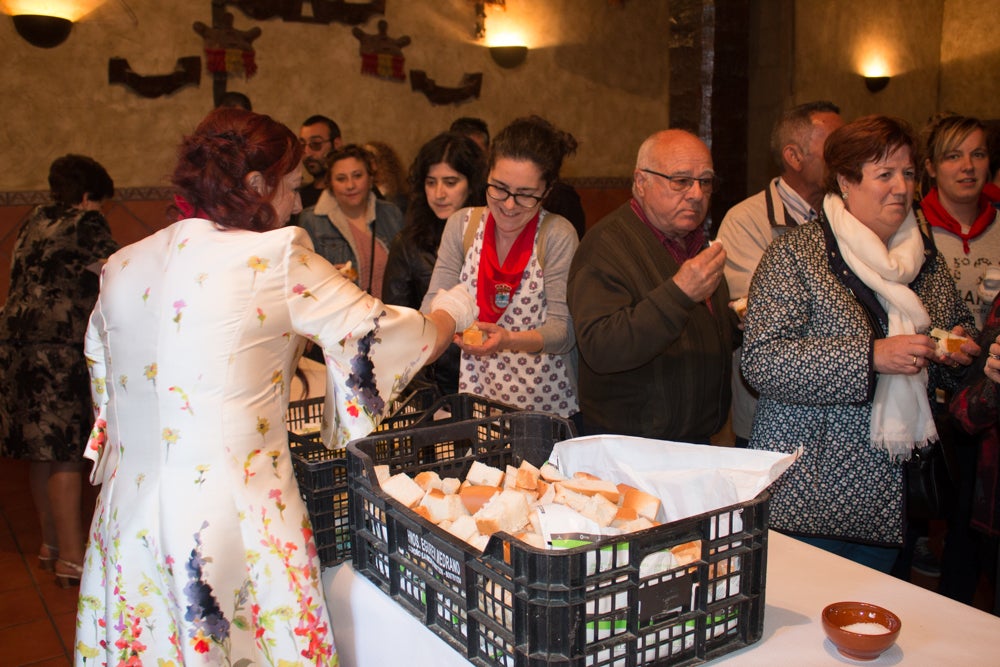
{"x": 201, "y": 549}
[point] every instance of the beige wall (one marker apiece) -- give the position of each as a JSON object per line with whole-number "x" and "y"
{"x": 942, "y": 55}
{"x": 596, "y": 70}
{"x": 834, "y": 41}
{"x": 970, "y": 58}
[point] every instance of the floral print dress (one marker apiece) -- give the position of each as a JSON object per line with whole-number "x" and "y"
{"x": 44, "y": 406}
{"x": 201, "y": 550}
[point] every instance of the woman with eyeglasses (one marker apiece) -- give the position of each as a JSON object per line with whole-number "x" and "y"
{"x": 514, "y": 256}
{"x": 349, "y": 224}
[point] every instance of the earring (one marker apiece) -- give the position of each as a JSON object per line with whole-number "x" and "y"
{"x": 844, "y": 195}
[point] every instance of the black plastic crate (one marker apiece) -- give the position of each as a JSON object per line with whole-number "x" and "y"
{"x": 322, "y": 472}
{"x": 617, "y": 602}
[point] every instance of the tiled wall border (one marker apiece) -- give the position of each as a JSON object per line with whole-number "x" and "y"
{"x": 33, "y": 197}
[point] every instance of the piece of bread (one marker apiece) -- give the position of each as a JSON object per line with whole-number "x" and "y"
{"x": 527, "y": 476}
{"x": 600, "y": 510}
{"x": 623, "y": 516}
{"x": 584, "y": 475}
{"x": 550, "y": 473}
{"x": 570, "y": 498}
{"x": 635, "y": 525}
{"x": 382, "y": 473}
{"x": 427, "y": 480}
{"x": 510, "y": 478}
{"x": 348, "y": 271}
{"x": 473, "y": 336}
{"x": 544, "y": 493}
{"x": 590, "y": 487}
{"x": 464, "y": 528}
{"x": 532, "y": 539}
{"x": 507, "y": 511}
{"x": 740, "y": 306}
{"x": 480, "y": 542}
{"x": 947, "y": 342}
{"x": 687, "y": 552}
{"x": 450, "y": 485}
{"x": 442, "y": 507}
{"x": 475, "y": 496}
{"x": 481, "y": 474}
{"x": 401, "y": 487}
{"x": 644, "y": 504}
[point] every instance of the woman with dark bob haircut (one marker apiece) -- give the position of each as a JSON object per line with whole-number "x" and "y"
{"x": 201, "y": 549}
{"x": 45, "y": 409}
{"x": 837, "y": 344}
{"x": 448, "y": 174}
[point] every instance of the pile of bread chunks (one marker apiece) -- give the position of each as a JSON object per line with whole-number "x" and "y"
{"x": 491, "y": 500}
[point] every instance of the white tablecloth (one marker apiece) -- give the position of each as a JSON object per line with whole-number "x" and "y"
{"x": 372, "y": 630}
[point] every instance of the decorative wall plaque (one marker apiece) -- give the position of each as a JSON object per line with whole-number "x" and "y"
{"x": 468, "y": 88}
{"x": 187, "y": 72}
{"x": 381, "y": 55}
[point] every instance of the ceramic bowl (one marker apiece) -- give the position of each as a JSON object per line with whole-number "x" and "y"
{"x": 857, "y": 645}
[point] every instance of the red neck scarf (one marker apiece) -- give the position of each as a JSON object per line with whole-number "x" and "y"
{"x": 187, "y": 210}
{"x": 499, "y": 282}
{"x": 939, "y": 217}
{"x": 681, "y": 250}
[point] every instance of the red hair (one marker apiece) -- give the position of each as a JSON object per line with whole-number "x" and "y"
{"x": 213, "y": 163}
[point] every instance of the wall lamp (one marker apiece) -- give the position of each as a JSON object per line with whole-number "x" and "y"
{"x": 876, "y": 83}
{"x": 43, "y": 31}
{"x": 508, "y": 56}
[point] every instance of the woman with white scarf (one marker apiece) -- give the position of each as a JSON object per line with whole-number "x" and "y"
{"x": 836, "y": 343}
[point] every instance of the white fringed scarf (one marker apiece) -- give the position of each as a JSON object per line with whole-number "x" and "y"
{"x": 901, "y": 416}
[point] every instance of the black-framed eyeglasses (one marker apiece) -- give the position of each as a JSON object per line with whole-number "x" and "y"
{"x": 314, "y": 144}
{"x": 685, "y": 183}
{"x": 497, "y": 193}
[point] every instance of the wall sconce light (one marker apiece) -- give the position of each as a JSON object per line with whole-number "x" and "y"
{"x": 876, "y": 83}
{"x": 508, "y": 56}
{"x": 43, "y": 31}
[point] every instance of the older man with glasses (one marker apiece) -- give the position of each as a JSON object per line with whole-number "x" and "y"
{"x": 319, "y": 137}
{"x": 649, "y": 303}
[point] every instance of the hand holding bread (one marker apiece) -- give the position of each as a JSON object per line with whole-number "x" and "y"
{"x": 954, "y": 348}
{"x": 699, "y": 276}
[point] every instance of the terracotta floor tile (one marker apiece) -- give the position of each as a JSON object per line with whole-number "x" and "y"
{"x": 52, "y": 662}
{"x": 66, "y": 625}
{"x": 19, "y": 606}
{"x": 15, "y": 574}
{"x": 57, "y": 600}
{"x": 28, "y": 643}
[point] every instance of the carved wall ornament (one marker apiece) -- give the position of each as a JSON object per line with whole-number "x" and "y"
{"x": 468, "y": 88}
{"x": 228, "y": 49}
{"x": 323, "y": 11}
{"x": 479, "y": 30}
{"x": 381, "y": 55}
{"x": 187, "y": 72}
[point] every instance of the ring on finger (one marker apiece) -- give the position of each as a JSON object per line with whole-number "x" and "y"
{"x": 994, "y": 356}
{"x": 914, "y": 360}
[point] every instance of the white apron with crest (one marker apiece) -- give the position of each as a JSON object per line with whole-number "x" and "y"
{"x": 525, "y": 380}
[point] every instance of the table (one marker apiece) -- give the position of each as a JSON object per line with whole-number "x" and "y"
{"x": 371, "y": 630}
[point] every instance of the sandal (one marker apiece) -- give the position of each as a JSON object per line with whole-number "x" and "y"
{"x": 69, "y": 578}
{"x": 47, "y": 557}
